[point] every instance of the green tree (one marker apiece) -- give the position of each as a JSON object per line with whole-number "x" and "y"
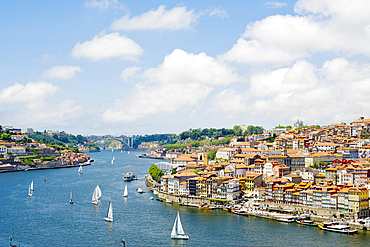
{"x": 237, "y": 130}
{"x": 174, "y": 171}
{"x": 156, "y": 173}
{"x": 212, "y": 154}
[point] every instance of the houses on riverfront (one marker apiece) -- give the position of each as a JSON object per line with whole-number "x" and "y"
{"x": 326, "y": 167}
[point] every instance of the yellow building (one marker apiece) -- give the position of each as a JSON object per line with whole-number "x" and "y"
{"x": 358, "y": 201}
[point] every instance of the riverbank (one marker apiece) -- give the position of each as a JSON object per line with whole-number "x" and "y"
{"x": 49, "y": 165}
{"x": 261, "y": 209}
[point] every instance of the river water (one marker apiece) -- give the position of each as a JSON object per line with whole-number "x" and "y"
{"x": 48, "y": 219}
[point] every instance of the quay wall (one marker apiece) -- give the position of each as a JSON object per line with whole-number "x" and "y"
{"x": 322, "y": 213}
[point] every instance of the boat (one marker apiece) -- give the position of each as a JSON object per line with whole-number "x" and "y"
{"x": 168, "y": 201}
{"x": 71, "y": 201}
{"x": 121, "y": 151}
{"x": 112, "y": 149}
{"x": 112, "y": 160}
{"x": 151, "y": 198}
{"x": 306, "y": 222}
{"x": 95, "y": 199}
{"x": 125, "y": 193}
{"x": 29, "y": 190}
{"x": 140, "y": 190}
{"x": 128, "y": 152}
{"x": 129, "y": 176}
{"x": 177, "y": 230}
{"x": 240, "y": 212}
{"x": 98, "y": 192}
{"x": 336, "y": 227}
{"x": 286, "y": 219}
{"x": 80, "y": 170}
{"x": 31, "y": 185}
{"x": 109, "y": 213}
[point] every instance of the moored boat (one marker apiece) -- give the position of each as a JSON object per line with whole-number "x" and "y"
{"x": 336, "y": 227}
{"x": 306, "y": 222}
{"x": 286, "y": 219}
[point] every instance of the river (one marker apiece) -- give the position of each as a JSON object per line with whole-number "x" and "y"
{"x": 48, "y": 219}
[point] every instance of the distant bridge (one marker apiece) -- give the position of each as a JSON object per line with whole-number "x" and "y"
{"x": 127, "y": 141}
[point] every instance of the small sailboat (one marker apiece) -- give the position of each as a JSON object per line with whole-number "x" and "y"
{"x": 125, "y": 193}
{"x": 29, "y": 190}
{"x": 31, "y": 185}
{"x": 128, "y": 152}
{"x": 112, "y": 160}
{"x": 112, "y": 149}
{"x": 121, "y": 151}
{"x": 95, "y": 198}
{"x": 110, "y": 213}
{"x": 71, "y": 201}
{"x": 80, "y": 170}
{"x": 98, "y": 192}
{"x": 177, "y": 230}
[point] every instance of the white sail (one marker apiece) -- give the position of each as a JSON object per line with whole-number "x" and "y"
{"x": 125, "y": 193}
{"x": 80, "y": 169}
{"x": 180, "y": 231}
{"x": 71, "y": 195}
{"x": 94, "y": 199}
{"x": 112, "y": 161}
{"x": 32, "y": 185}
{"x": 98, "y": 192}
{"x": 29, "y": 190}
{"x": 128, "y": 152}
{"x": 174, "y": 233}
{"x": 110, "y": 212}
{"x": 121, "y": 151}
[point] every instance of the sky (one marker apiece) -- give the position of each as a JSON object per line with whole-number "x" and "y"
{"x": 144, "y": 67}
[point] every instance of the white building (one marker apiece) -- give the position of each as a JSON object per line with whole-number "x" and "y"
{"x": 233, "y": 191}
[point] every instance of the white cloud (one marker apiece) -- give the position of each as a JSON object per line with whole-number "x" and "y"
{"x": 183, "y": 67}
{"x": 107, "y": 46}
{"x": 28, "y": 105}
{"x": 130, "y": 72}
{"x": 219, "y": 11}
{"x": 162, "y": 19}
{"x": 32, "y": 91}
{"x": 321, "y": 26}
{"x": 103, "y": 4}
{"x": 275, "y": 5}
{"x": 61, "y": 72}
{"x": 339, "y": 90}
{"x": 183, "y": 79}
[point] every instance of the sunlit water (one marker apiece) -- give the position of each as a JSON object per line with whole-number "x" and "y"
{"x": 48, "y": 219}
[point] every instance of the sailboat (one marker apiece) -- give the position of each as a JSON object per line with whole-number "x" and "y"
{"x": 29, "y": 190}
{"x": 177, "y": 230}
{"x": 121, "y": 151}
{"x": 95, "y": 198}
{"x": 112, "y": 149}
{"x": 32, "y": 185}
{"x": 110, "y": 213}
{"x": 128, "y": 152}
{"x": 80, "y": 170}
{"x": 112, "y": 160}
{"x": 71, "y": 201}
{"x": 98, "y": 192}
{"x": 125, "y": 193}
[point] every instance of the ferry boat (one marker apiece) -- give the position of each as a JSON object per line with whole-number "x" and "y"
{"x": 129, "y": 176}
{"x": 336, "y": 227}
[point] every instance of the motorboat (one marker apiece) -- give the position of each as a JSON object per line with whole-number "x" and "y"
{"x": 168, "y": 201}
{"x": 336, "y": 227}
{"x": 306, "y": 222}
{"x": 140, "y": 190}
{"x": 286, "y": 219}
{"x": 129, "y": 176}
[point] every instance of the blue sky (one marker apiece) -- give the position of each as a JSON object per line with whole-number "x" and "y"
{"x": 143, "y": 67}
